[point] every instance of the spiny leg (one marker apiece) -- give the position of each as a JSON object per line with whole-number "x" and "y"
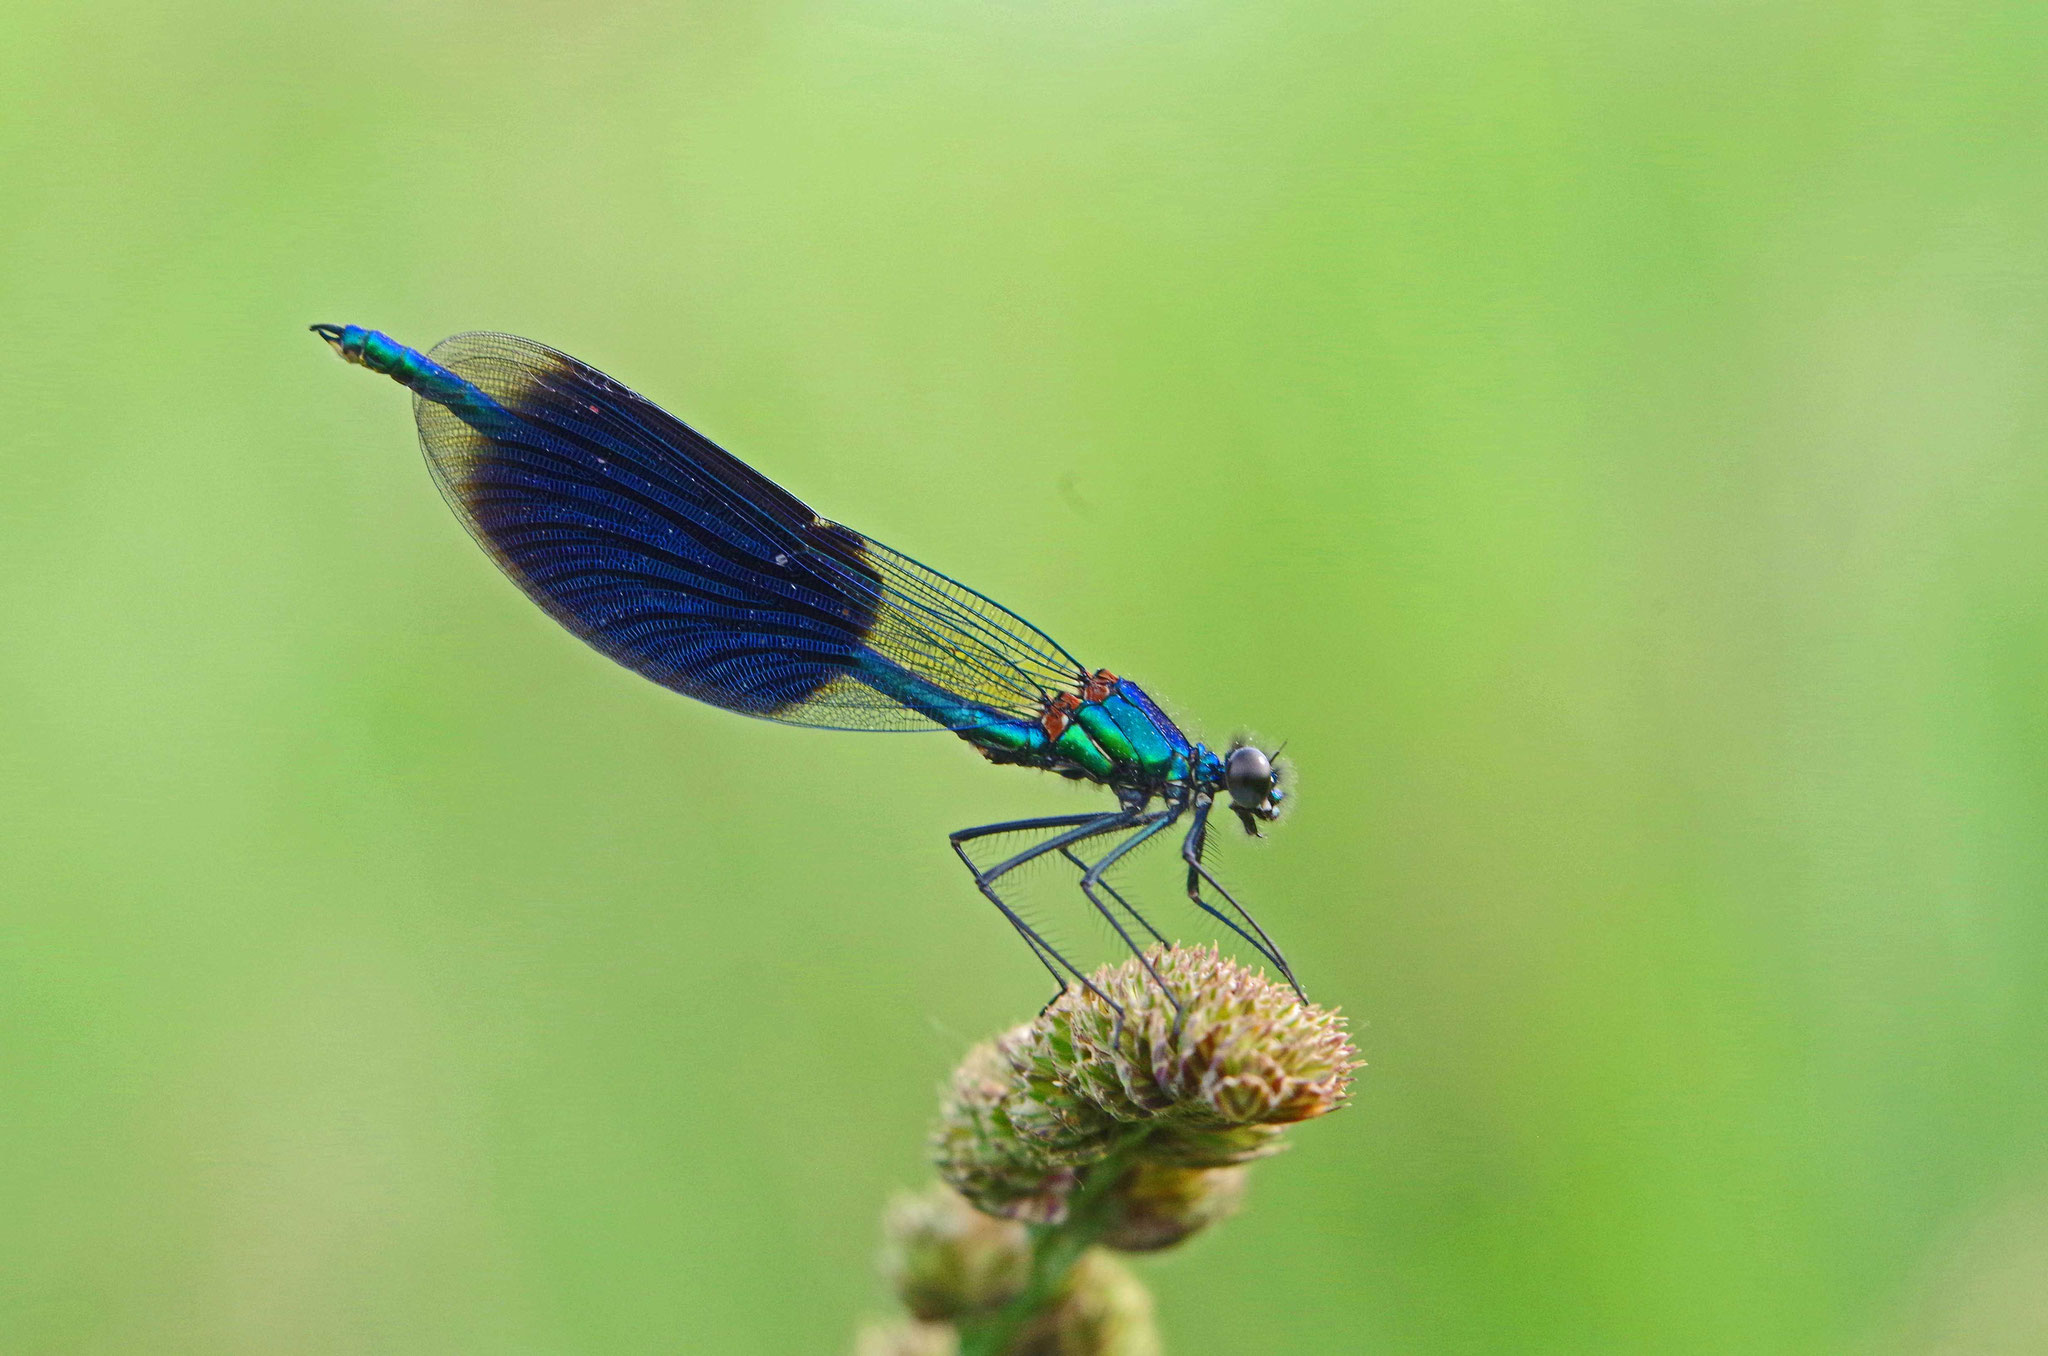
{"x": 1264, "y": 945}
{"x": 1117, "y": 1031}
{"x": 1042, "y": 949}
{"x": 1078, "y": 827}
{"x": 1143, "y": 921}
{"x": 1039, "y": 949}
{"x": 1092, "y": 877}
{"x": 1024, "y": 825}
{"x": 1191, "y": 852}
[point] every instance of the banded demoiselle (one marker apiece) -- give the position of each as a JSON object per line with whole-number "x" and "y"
{"x": 671, "y": 556}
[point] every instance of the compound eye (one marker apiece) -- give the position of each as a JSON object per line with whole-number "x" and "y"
{"x": 1248, "y": 775}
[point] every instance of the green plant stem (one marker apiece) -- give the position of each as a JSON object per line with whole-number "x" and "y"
{"x": 1054, "y": 1250}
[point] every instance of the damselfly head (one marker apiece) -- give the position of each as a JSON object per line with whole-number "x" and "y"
{"x": 1254, "y": 786}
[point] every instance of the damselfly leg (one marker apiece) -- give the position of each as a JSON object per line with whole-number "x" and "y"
{"x": 1198, "y": 874}
{"x": 1111, "y": 890}
{"x": 1076, "y": 828}
{"x": 1079, "y": 829}
{"x": 1091, "y": 879}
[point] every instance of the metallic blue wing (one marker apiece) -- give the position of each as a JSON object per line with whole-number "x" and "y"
{"x": 670, "y": 555}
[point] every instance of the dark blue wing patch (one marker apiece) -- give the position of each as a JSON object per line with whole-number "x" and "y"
{"x": 676, "y": 559}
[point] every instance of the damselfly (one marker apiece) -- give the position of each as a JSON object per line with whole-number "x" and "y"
{"x": 673, "y": 557}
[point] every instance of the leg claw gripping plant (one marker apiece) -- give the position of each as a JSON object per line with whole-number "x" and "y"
{"x": 1087, "y": 1130}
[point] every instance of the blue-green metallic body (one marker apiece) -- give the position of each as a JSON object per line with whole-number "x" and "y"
{"x": 1123, "y": 741}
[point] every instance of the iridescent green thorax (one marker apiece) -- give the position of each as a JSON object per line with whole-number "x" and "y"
{"x": 1109, "y": 732}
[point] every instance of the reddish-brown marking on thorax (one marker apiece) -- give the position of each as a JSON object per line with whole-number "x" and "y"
{"x": 1059, "y": 712}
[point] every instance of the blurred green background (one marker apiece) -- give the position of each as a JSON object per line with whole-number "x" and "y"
{"x": 1605, "y": 440}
